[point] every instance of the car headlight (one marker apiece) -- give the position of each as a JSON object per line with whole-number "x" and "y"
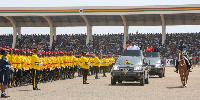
{"x": 137, "y": 68}
{"x": 157, "y": 65}
{"x": 115, "y": 67}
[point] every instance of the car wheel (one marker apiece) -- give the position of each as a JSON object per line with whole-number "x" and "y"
{"x": 113, "y": 81}
{"x": 119, "y": 81}
{"x": 147, "y": 79}
{"x": 160, "y": 75}
{"x": 142, "y": 81}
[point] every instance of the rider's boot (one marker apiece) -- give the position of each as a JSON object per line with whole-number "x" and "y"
{"x": 190, "y": 69}
{"x": 176, "y": 66}
{"x": 176, "y": 70}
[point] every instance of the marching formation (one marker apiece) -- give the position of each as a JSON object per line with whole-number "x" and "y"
{"x": 33, "y": 67}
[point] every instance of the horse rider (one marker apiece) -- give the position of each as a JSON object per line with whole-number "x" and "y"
{"x": 184, "y": 50}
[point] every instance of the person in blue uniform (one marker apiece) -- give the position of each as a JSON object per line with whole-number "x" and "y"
{"x": 5, "y": 69}
{"x": 184, "y": 50}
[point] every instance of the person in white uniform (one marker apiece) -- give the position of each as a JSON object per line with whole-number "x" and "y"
{"x": 133, "y": 47}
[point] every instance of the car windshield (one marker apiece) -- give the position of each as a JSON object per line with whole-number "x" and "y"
{"x": 153, "y": 61}
{"x": 133, "y": 60}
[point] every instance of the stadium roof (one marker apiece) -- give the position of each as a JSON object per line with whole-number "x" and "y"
{"x": 126, "y": 16}
{"x": 101, "y": 16}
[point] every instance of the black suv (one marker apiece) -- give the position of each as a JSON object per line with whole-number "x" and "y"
{"x": 131, "y": 66}
{"x": 155, "y": 62}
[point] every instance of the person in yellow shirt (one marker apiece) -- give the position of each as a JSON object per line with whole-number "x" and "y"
{"x": 24, "y": 67}
{"x": 92, "y": 69}
{"x": 14, "y": 64}
{"x": 89, "y": 62}
{"x": 18, "y": 68}
{"x": 54, "y": 63}
{"x": 28, "y": 65}
{"x": 79, "y": 66}
{"x": 70, "y": 64}
{"x": 73, "y": 63}
{"x": 44, "y": 67}
{"x": 110, "y": 63}
{"x": 35, "y": 61}
{"x": 76, "y": 63}
{"x": 96, "y": 64}
{"x": 85, "y": 67}
{"x": 61, "y": 65}
{"x": 65, "y": 58}
{"x": 57, "y": 66}
{"x": 105, "y": 64}
{"x": 50, "y": 66}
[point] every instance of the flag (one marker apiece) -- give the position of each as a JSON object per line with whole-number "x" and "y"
{"x": 127, "y": 62}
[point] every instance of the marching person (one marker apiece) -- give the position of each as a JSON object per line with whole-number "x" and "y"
{"x": 104, "y": 65}
{"x": 96, "y": 65}
{"x": 5, "y": 69}
{"x": 35, "y": 65}
{"x": 85, "y": 67}
{"x": 79, "y": 66}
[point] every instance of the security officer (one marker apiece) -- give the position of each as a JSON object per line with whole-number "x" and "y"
{"x": 35, "y": 65}
{"x": 9, "y": 58}
{"x": 85, "y": 67}
{"x": 5, "y": 69}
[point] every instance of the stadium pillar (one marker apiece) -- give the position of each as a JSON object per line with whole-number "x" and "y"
{"x": 19, "y": 32}
{"x": 54, "y": 33}
{"x": 13, "y": 22}
{"x": 50, "y": 22}
{"x": 89, "y": 29}
{"x": 125, "y": 30}
{"x": 163, "y": 28}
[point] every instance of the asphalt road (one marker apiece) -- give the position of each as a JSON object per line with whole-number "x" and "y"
{"x": 167, "y": 88}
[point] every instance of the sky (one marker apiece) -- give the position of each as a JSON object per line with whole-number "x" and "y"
{"x": 98, "y": 29}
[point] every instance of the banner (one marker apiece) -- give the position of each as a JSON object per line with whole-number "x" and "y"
{"x": 169, "y": 62}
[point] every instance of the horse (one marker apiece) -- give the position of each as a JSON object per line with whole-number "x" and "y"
{"x": 183, "y": 69}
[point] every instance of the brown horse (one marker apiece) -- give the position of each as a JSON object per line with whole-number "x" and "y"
{"x": 183, "y": 69}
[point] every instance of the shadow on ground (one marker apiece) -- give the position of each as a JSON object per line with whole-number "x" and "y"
{"x": 125, "y": 84}
{"x": 25, "y": 90}
{"x": 153, "y": 77}
{"x": 174, "y": 87}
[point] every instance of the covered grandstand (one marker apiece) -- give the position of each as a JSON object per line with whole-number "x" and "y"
{"x": 126, "y": 16}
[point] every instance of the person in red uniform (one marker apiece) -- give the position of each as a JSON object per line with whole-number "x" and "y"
{"x": 149, "y": 48}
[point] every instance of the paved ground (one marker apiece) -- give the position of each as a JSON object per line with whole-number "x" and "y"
{"x": 168, "y": 88}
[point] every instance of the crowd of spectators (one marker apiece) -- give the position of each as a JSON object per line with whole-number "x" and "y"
{"x": 108, "y": 43}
